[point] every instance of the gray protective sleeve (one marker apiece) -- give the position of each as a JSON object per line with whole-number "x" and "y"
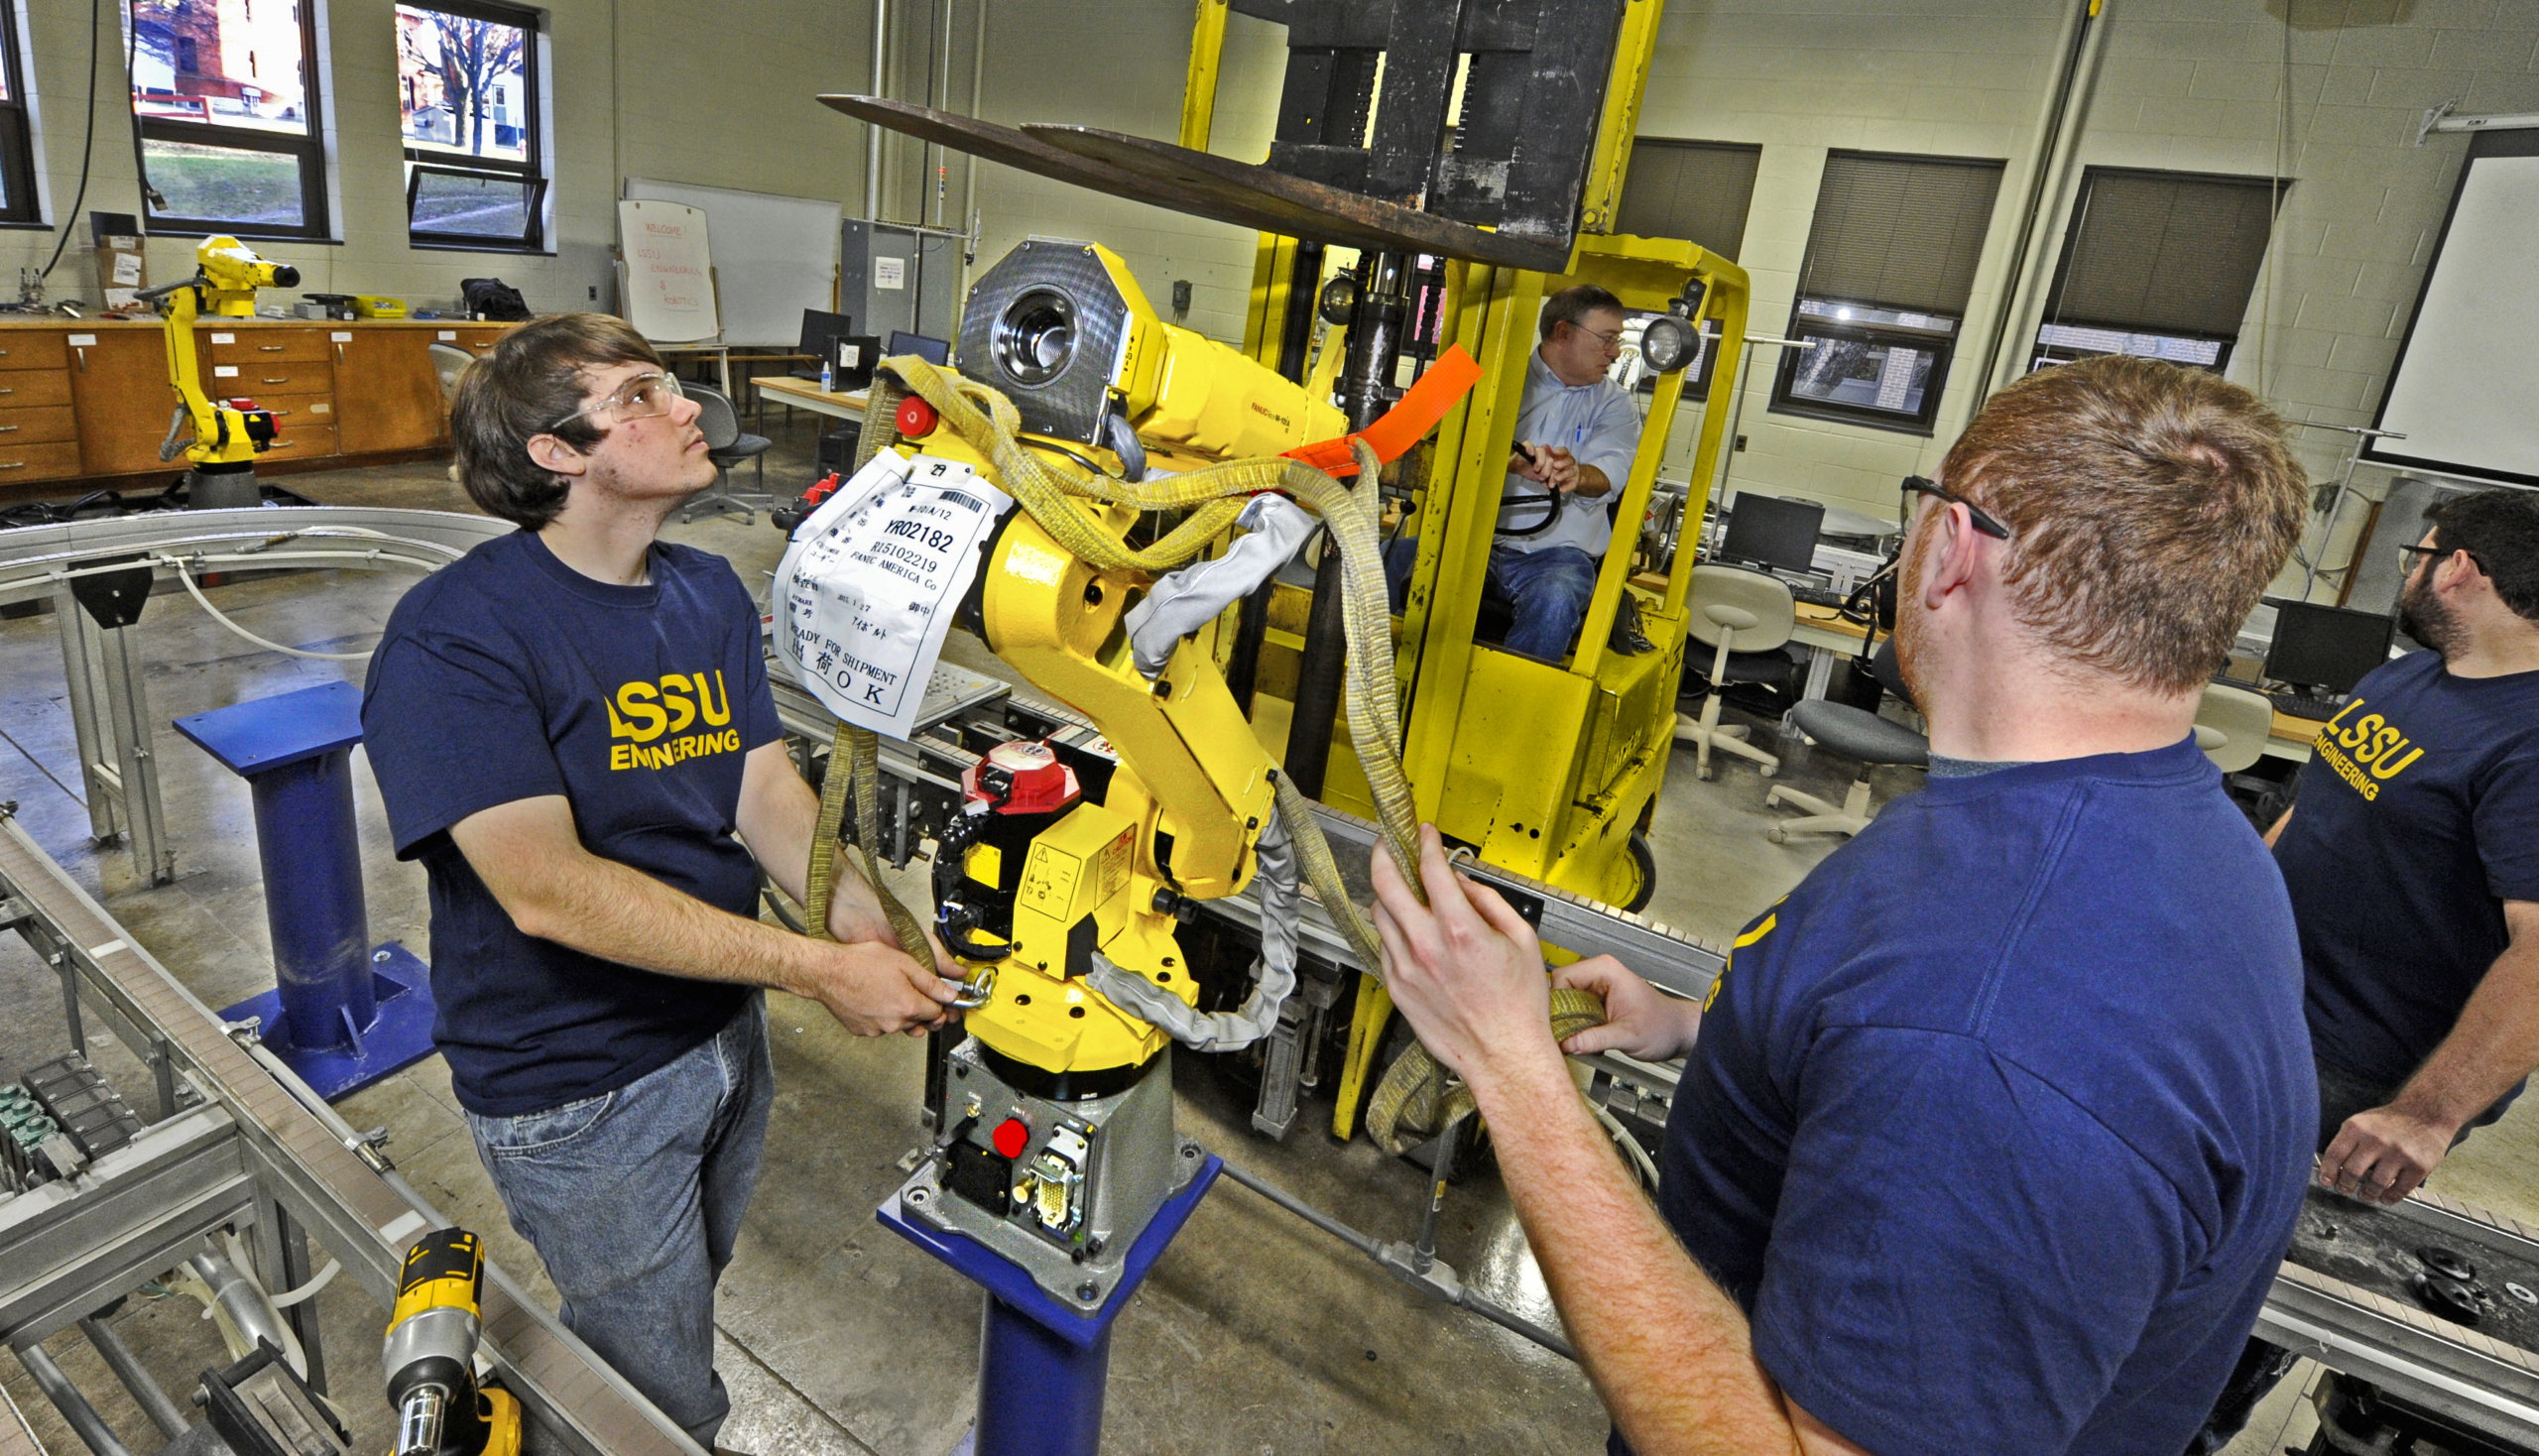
{"x": 1187, "y": 600}
{"x": 1274, "y": 973}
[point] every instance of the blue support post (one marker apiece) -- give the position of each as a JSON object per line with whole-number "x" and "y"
{"x": 1042, "y": 1366}
{"x": 342, "y": 1014}
{"x": 322, "y": 928}
{"x": 1047, "y": 1388}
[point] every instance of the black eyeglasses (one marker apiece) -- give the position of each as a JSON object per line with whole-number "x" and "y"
{"x": 2407, "y": 557}
{"x": 1921, "y": 485}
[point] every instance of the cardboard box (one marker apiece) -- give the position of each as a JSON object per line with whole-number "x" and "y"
{"x": 120, "y": 275}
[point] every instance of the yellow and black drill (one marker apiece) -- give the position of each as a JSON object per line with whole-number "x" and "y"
{"x": 430, "y": 1356}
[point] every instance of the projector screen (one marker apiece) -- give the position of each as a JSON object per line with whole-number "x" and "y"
{"x": 2465, "y": 387}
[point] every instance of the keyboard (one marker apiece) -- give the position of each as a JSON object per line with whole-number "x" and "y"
{"x": 2303, "y": 705}
{"x": 1819, "y": 596}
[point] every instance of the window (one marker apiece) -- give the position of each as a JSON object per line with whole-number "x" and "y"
{"x": 1890, "y": 262}
{"x": 226, "y": 125}
{"x": 466, "y": 83}
{"x": 2158, "y": 264}
{"x": 18, "y": 202}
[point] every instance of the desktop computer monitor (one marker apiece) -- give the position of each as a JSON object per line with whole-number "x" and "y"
{"x": 820, "y": 331}
{"x": 936, "y": 352}
{"x": 853, "y": 357}
{"x": 1766, "y": 530}
{"x": 2330, "y": 647}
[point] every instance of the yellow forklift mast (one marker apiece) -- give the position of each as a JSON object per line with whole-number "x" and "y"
{"x": 1461, "y": 229}
{"x": 1551, "y": 769}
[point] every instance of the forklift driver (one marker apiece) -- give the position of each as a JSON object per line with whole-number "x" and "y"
{"x": 1576, "y": 432}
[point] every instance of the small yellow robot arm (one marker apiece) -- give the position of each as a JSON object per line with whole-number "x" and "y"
{"x": 227, "y": 277}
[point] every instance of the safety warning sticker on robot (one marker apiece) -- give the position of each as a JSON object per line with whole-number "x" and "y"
{"x": 871, "y": 583}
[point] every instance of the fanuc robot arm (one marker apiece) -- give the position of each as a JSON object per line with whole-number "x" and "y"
{"x": 227, "y": 277}
{"x": 1059, "y": 888}
{"x": 1063, "y": 330}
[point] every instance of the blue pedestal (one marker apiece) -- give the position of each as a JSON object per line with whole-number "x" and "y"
{"x": 341, "y": 1013}
{"x": 1042, "y": 1366}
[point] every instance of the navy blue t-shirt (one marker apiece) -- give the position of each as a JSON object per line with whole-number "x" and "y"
{"x": 508, "y": 675}
{"x": 2418, "y": 819}
{"x": 1998, "y": 1124}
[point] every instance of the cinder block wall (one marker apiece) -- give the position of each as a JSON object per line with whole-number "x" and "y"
{"x": 2193, "y": 86}
{"x": 678, "y": 90}
{"x": 721, "y": 94}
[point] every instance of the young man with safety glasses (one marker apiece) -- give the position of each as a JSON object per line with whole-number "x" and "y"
{"x": 568, "y": 727}
{"x": 1991, "y": 1133}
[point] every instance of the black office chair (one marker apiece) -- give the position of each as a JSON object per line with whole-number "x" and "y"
{"x": 727, "y": 446}
{"x": 1854, "y": 733}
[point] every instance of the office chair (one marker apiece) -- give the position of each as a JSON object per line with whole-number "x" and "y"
{"x": 1854, "y": 733}
{"x": 1746, "y": 616}
{"x": 448, "y": 361}
{"x": 2232, "y": 725}
{"x": 727, "y": 446}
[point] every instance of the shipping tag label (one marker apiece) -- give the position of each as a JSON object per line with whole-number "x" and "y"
{"x": 869, "y": 584}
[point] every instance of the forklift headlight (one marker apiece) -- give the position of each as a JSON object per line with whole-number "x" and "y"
{"x": 1669, "y": 343}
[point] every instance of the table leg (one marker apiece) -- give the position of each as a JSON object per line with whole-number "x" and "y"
{"x": 1819, "y": 669}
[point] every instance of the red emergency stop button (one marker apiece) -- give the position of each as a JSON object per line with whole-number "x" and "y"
{"x": 1012, "y": 1136}
{"x": 916, "y": 419}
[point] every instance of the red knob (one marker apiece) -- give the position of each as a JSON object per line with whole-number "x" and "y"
{"x": 1012, "y": 1136}
{"x": 916, "y": 419}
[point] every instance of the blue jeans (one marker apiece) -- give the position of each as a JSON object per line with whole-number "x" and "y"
{"x": 1550, "y": 589}
{"x": 633, "y": 1198}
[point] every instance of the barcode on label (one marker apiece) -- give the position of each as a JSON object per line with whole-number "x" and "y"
{"x": 967, "y": 502}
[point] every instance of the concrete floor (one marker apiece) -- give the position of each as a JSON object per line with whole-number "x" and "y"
{"x": 1255, "y": 1334}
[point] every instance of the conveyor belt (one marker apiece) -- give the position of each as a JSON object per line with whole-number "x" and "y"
{"x": 2347, "y": 1296}
{"x": 347, "y": 1205}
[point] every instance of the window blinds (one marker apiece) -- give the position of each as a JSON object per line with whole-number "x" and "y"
{"x": 2163, "y": 252}
{"x": 1899, "y": 232}
{"x": 1696, "y": 191}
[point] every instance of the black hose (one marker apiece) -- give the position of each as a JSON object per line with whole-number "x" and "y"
{"x": 783, "y": 916}
{"x": 1251, "y": 631}
{"x": 88, "y": 147}
{"x": 1375, "y": 344}
{"x": 1320, "y": 669}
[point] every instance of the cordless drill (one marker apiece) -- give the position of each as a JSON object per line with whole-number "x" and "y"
{"x": 430, "y": 1354}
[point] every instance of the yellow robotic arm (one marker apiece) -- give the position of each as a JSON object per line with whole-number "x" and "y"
{"x": 1060, "y": 885}
{"x": 227, "y": 277}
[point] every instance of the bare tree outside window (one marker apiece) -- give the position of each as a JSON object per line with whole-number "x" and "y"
{"x": 467, "y": 84}
{"x": 458, "y": 73}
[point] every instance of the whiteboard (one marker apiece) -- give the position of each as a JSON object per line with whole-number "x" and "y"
{"x": 773, "y": 256}
{"x": 2466, "y": 374}
{"x": 669, "y": 272}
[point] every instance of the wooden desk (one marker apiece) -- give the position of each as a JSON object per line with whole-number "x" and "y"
{"x": 806, "y": 393}
{"x": 85, "y": 402}
{"x": 2291, "y": 737}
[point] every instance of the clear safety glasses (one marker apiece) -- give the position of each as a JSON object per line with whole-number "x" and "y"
{"x": 641, "y": 397}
